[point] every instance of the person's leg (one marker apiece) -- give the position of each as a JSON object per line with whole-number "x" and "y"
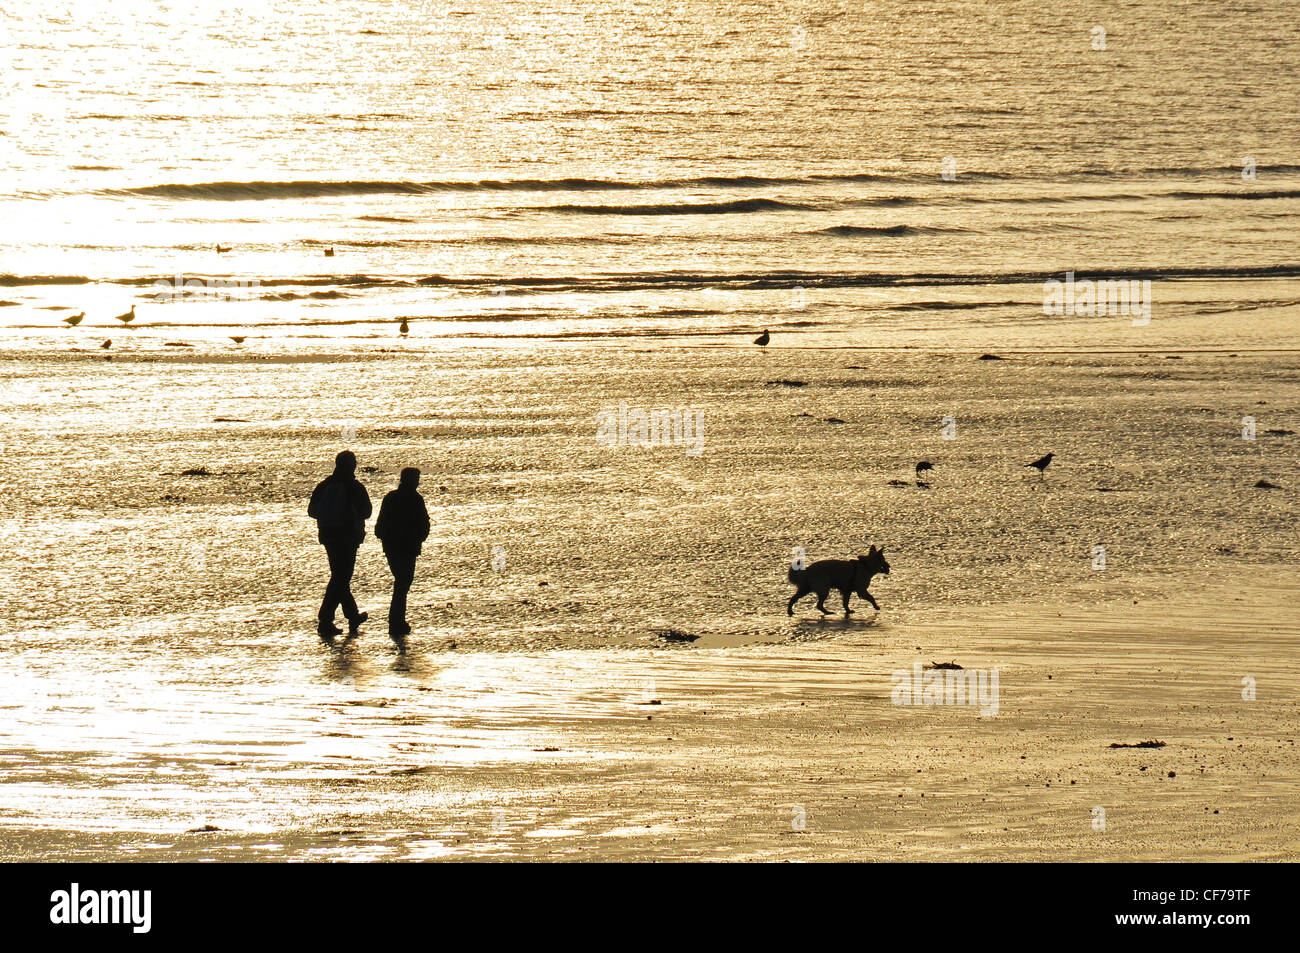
{"x": 402, "y": 565}
{"x": 346, "y": 566}
{"x": 330, "y": 602}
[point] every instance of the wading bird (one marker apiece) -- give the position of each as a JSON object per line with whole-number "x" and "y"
{"x": 762, "y": 339}
{"x": 73, "y": 320}
{"x": 128, "y": 317}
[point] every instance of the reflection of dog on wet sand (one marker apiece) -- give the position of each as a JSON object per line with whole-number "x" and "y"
{"x": 846, "y": 575}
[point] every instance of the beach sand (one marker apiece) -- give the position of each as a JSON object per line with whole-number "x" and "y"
{"x": 162, "y": 675}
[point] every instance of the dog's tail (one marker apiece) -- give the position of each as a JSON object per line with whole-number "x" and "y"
{"x": 795, "y": 575}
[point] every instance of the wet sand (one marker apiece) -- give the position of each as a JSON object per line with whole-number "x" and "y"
{"x": 563, "y": 756}
{"x": 162, "y": 676}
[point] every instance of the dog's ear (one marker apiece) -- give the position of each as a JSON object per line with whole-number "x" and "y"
{"x": 871, "y": 551}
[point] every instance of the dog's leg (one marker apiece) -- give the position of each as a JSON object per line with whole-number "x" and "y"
{"x": 870, "y": 598}
{"x": 821, "y": 601}
{"x": 844, "y": 595}
{"x": 789, "y": 606}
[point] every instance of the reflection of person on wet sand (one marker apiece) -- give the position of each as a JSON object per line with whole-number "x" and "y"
{"x": 402, "y": 527}
{"x": 340, "y": 506}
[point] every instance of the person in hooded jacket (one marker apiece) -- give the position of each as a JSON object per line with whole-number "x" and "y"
{"x": 402, "y": 528}
{"x": 340, "y": 506}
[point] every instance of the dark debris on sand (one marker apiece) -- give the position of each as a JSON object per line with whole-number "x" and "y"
{"x": 787, "y": 383}
{"x": 952, "y": 665}
{"x": 990, "y": 357}
{"x": 1265, "y": 485}
{"x": 196, "y": 471}
{"x": 676, "y": 635}
{"x": 1140, "y": 744}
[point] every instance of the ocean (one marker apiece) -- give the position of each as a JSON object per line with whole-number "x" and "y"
{"x": 902, "y": 175}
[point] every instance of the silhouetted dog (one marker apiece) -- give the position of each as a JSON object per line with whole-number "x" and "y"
{"x": 846, "y": 575}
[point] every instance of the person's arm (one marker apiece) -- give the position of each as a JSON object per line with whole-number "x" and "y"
{"x": 424, "y": 521}
{"x": 385, "y": 514}
{"x": 363, "y": 502}
{"x": 315, "y": 497}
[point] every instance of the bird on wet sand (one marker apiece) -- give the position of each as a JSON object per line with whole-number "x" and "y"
{"x": 329, "y": 252}
{"x": 922, "y": 467}
{"x": 126, "y": 318}
{"x": 73, "y": 320}
{"x": 404, "y": 329}
{"x": 106, "y": 345}
{"x": 237, "y": 338}
{"x": 1041, "y": 463}
{"x": 762, "y": 339}
{"x": 222, "y": 249}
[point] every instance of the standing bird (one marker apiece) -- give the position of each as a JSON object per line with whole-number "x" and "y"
{"x": 404, "y": 329}
{"x": 73, "y": 320}
{"x": 128, "y": 317}
{"x": 922, "y": 467}
{"x": 1041, "y": 463}
{"x": 106, "y": 345}
{"x": 762, "y": 339}
{"x": 237, "y": 338}
{"x": 222, "y": 249}
{"x": 329, "y": 252}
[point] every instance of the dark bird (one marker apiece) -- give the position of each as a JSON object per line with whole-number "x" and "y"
{"x": 922, "y": 467}
{"x": 107, "y": 344}
{"x": 329, "y": 252}
{"x": 73, "y": 320}
{"x": 762, "y": 339}
{"x": 237, "y": 338}
{"x": 222, "y": 249}
{"x": 404, "y": 329}
{"x": 128, "y": 317}
{"x": 1041, "y": 463}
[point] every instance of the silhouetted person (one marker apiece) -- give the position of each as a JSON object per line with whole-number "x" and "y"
{"x": 402, "y": 527}
{"x": 340, "y": 506}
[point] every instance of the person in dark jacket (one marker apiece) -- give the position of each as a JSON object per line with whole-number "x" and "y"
{"x": 340, "y": 506}
{"x": 402, "y": 527}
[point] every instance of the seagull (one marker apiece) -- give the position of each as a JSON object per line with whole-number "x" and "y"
{"x": 329, "y": 252}
{"x": 762, "y": 339}
{"x": 237, "y": 338}
{"x": 73, "y": 320}
{"x": 222, "y": 249}
{"x": 405, "y": 329}
{"x": 106, "y": 345}
{"x": 1041, "y": 463}
{"x": 922, "y": 467}
{"x": 128, "y": 317}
